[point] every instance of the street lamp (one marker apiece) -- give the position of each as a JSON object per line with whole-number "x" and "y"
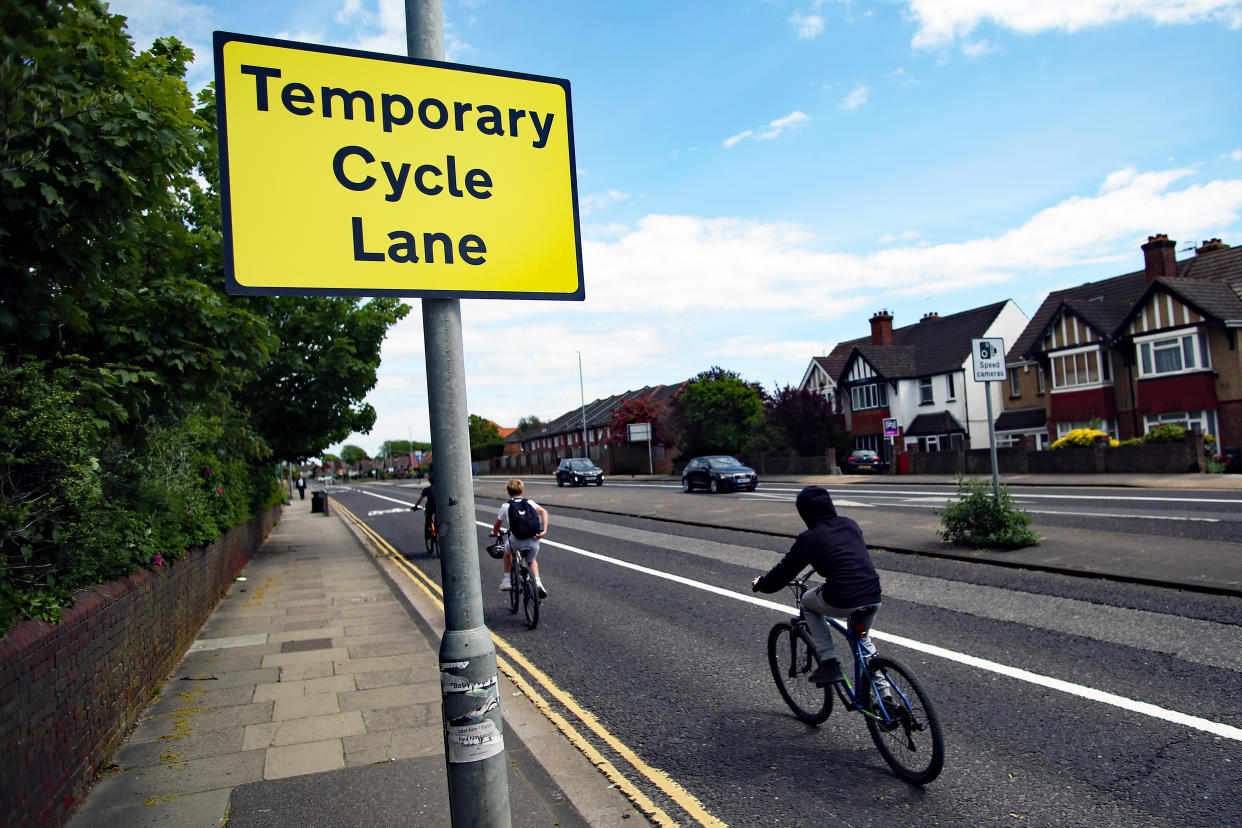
{"x": 582, "y": 395}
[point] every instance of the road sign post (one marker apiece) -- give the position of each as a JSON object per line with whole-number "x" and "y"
{"x": 637, "y": 432}
{"x": 987, "y": 358}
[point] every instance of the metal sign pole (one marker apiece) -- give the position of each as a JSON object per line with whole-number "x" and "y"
{"x": 987, "y": 392}
{"x": 478, "y": 780}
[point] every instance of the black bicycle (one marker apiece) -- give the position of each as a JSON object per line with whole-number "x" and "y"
{"x": 431, "y": 536}
{"x": 899, "y": 714}
{"x": 522, "y": 589}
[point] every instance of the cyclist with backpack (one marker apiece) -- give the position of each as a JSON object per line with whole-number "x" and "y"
{"x": 429, "y": 494}
{"x": 527, "y": 522}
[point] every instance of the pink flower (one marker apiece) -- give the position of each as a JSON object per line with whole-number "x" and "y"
{"x": 219, "y": 490}
{"x": 159, "y": 559}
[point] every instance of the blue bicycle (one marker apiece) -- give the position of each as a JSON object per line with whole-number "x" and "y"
{"x": 898, "y": 712}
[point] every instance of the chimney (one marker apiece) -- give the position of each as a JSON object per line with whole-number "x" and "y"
{"x": 929, "y": 316}
{"x": 1159, "y": 257}
{"x": 882, "y": 328}
{"x": 1209, "y": 246}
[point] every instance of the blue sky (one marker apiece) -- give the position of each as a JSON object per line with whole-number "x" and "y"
{"x": 757, "y": 178}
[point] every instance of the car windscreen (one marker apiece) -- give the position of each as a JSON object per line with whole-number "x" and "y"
{"x": 724, "y": 462}
{"x": 581, "y": 465}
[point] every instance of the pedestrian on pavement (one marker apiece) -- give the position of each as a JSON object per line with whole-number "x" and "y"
{"x": 517, "y": 514}
{"x": 301, "y": 484}
{"x": 833, "y": 545}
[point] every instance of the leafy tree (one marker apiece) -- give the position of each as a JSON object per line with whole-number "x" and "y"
{"x": 485, "y": 439}
{"x": 803, "y": 421}
{"x": 718, "y": 411}
{"x": 529, "y": 425}
{"x": 143, "y": 406}
{"x": 641, "y": 410}
{"x": 393, "y": 448}
{"x": 352, "y": 455}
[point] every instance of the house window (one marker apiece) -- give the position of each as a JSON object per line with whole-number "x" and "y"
{"x": 1202, "y": 421}
{"x": 1080, "y": 368}
{"x": 952, "y": 388}
{"x": 872, "y": 395}
{"x": 1187, "y": 351}
{"x": 925, "y": 391}
{"x": 1039, "y": 377}
{"x": 1015, "y": 383}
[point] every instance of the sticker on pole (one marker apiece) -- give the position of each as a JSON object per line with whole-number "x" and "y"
{"x": 347, "y": 173}
{"x": 987, "y": 357}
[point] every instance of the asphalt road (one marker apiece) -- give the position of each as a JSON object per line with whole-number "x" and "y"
{"x": 675, "y": 670}
{"x": 1201, "y": 515}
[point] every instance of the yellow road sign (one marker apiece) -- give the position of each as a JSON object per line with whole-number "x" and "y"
{"x": 347, "y": 173}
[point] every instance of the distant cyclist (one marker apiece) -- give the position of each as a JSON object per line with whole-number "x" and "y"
{"x": 527, "y": 522}
{"x": 429, "y": 493}
{"x": 833, "y": 545}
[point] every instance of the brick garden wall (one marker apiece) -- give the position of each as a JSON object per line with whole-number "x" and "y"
{"x": 70, "y": 692}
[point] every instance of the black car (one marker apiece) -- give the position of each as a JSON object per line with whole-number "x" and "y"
{"x": 579, "y": 470}
{"x": 718, "y": 473}
{"x": 862, "y": 460}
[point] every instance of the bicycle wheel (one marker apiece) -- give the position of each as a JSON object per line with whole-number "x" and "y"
{"x": 515, "y": 587}
{"x": 433, "y": 541}
{"x": 911, "y": 742}
{"x": 530, "y": 600}
{"x": 792, "y": 659}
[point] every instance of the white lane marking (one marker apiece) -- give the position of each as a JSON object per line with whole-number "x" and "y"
{"x": 1112, "y": 495}
{"x": 1133, "y": 705}
{"x": 1126, "y": 516}
{"x": 375, "y": 512}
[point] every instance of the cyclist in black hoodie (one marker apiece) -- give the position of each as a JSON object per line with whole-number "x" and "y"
{"x": 833, "y": 545}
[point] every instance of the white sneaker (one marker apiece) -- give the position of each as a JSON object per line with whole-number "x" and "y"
{"x": 506, "y": 583}
{"x": 543, "y": 593}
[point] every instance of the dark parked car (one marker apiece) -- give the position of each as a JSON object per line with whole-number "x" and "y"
{"x": 718, "y": 473}
{"x": 579, "y": 470}
{"x": 862, "y": 460}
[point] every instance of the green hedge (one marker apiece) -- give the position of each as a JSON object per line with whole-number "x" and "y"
{"x": 79, "y": 508}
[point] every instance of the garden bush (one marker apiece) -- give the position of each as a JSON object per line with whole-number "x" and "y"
{"x": 981, "y": 520}
{"x": 1083, "y": 438}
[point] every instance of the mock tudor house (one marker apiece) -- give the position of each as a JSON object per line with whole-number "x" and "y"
{"x": 920, "y": 375}
{"x": 1156, "y": 346}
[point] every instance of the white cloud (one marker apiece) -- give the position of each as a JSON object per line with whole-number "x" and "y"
{"x": 777, "y": 283}
{"x": 978, "y": 48}
{"x": 598, "y": 201}
{"x": 941, "y": 22}
{"x": 808, "y": 26}
{"x": 793, "y": 119}
{"x": 772, "y": 130}
{"x": 856, "y": 98}
{"x": 1236, "y": 155}
{"x": 905, "y": 235}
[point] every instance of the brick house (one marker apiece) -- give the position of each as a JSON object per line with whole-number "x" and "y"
{"x": 919, "y": 375}
{"x": 1129, "y": 353}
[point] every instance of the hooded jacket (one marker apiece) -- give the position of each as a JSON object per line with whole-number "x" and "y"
{"x": 833, "y": 545}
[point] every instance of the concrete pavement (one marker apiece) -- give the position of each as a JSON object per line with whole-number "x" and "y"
{"x": 312, "y": 694}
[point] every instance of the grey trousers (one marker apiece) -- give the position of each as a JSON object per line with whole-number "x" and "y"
{"x": 817, "y": 609}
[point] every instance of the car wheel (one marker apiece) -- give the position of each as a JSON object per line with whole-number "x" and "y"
{"x": 752, "y": 488}
{"x": 560, "y": 482}
{"x": 685, "y": 484}
{"x": 714, "y": 486}
{"x": 599, "y": 482}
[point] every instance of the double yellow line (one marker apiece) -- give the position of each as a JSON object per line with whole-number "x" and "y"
{"x": 675, "y": 792}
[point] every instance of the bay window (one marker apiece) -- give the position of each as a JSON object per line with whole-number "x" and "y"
{"x": 1173, "y": 354}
